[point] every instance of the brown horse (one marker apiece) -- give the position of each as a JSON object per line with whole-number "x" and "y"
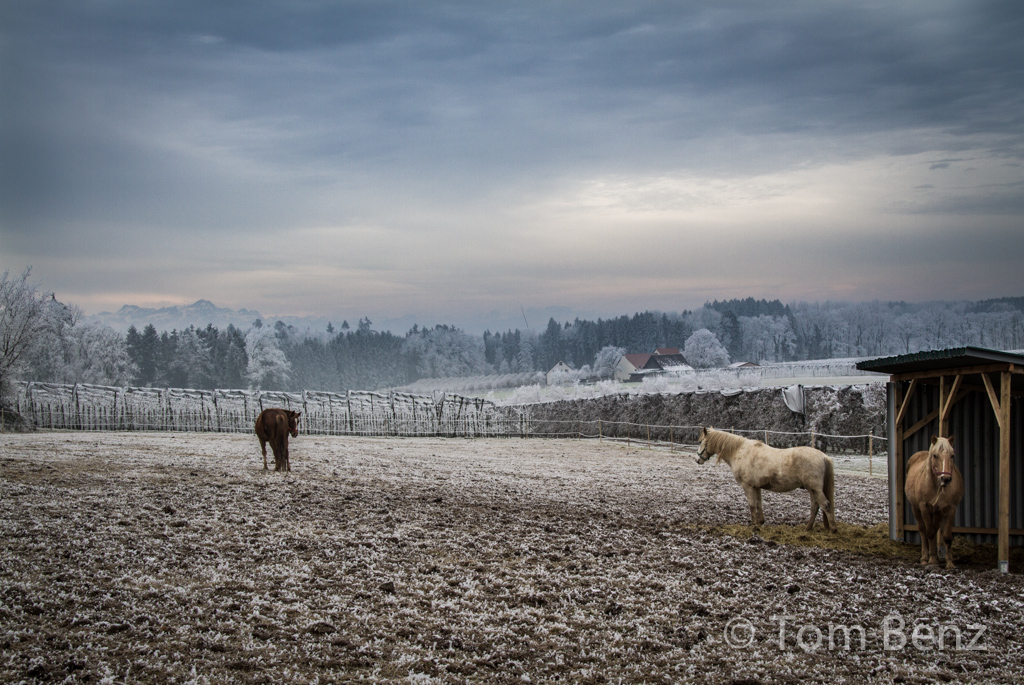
{"x": 273, "y": 426}
{"x": 756, "y": 467}
{"x": 934, "y": 488}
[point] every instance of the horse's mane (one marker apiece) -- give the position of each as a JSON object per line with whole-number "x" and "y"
{"x": 722, "y": 443}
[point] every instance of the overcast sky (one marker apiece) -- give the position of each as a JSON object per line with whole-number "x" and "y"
{"x": 388, "y": 158}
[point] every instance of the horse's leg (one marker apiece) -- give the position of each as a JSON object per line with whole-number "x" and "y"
{"x": 760, "y": 508}
{"x": 814, "y": 509}
{"x": 947, "y": 537}
{"x": 263, "y": 446}
{"x": 931, "y": 534}
{"x": 753, "y": 496}
{"x": 921, "y": 528}
{"x": 287, "y": 458}
{"x": 827, "y": 516}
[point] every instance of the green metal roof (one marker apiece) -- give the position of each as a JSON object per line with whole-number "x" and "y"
{"x": 934, "y": 360}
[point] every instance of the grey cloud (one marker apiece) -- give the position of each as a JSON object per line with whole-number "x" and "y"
{"x": 171, "y": 120}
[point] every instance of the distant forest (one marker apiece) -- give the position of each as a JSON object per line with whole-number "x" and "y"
{"x": 275, "y": 356}
{"x": 751, "y": 330}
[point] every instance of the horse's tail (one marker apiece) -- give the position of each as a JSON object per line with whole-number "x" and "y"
{"x": 830, "y": 484}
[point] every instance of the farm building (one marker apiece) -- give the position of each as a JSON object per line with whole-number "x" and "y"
{"x": 559, "y": 373}
{"x": 635, "y": 367}
{"x": 629, "y": 364}
{"x": 973, "y": 394}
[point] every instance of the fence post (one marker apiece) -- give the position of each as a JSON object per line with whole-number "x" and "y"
{"x": 77, "y": 423}
{"x": 766, "y": 436}
{"x": 671, "y": 439}
{"x": 648, "y": 436}
{"x": 600, "y": 437}
{"x": 871, "y": 447}
{"x": 351, "y": 422}
{"x": 812, "y": 437}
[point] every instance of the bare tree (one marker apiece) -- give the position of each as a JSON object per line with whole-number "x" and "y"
{"x": 908, "y": 328}
{"x": 22, "y": 320}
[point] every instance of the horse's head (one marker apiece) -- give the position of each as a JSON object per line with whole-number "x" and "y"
{"x": 293, "y": 423}
{"x": 941, "y": 456}
{"x": 702, "y": 449}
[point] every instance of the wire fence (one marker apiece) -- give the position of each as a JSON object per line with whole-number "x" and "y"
{"x": 682, "y": 437}
{"x": 358, "y": 413}
{"x": 103, "y": 408}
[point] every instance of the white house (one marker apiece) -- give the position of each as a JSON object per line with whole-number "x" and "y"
{"x": 559, "y": 373}
{"x": 629, "y": 364}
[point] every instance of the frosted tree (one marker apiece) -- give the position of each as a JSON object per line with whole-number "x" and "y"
{"x": 524, "y": 357}
{"x": 100, "y": 356}
{"x": 606, "y": 359}
{"x": 907, "y": 329}
{"x": 767, "y": 337}
{"x": 268, "y": 368}
{"x": 446, "y": 352}
{"x": 23, "y": 319}
{"x": 704, "y": 351}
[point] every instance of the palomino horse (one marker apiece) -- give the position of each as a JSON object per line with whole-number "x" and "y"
{"x": 273, "y": 426}
{"x": 934, "y": 488}
{"x": 757, "y": 466}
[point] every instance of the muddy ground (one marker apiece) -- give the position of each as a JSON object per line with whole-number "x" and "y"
{"x": 174, "y": 558}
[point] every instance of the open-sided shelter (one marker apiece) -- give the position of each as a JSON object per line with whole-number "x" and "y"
{"x": 973, "y": 394}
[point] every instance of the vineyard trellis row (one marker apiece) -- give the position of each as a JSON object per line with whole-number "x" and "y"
{"x": 104, "y": 408}
{"x": 362, "y": 413}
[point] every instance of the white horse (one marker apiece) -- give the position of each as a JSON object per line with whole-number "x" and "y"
{"x": 757, "y": 466}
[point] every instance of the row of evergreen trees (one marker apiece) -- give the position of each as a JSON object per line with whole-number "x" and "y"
{"x": 753, "y": 330}
{"x": 46, "y": 340}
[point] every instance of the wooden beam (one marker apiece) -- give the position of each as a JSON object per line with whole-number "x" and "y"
{"x": 955, "y": 371}
{"x": 946, "y": 402}
{"x": 1004, "y": 474}
{"x": 920, "y": 424}
{"x": 912, "y": 527}
{"x": 993, "y": 399}
{"x": 969, "y": 386}
{"x": 906, "y": 402}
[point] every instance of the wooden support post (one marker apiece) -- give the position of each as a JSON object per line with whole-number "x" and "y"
{"x": 901, "y": 402}
{"x": 1004, "y": 474}
{"x": 600, "y": 437}
{"x": 812, "y": 438}
{"x": 671, "y": 439}
{"x": 648, "y": 436}
{"x": 766, "y": 436}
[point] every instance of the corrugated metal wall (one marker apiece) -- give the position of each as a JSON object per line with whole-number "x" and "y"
{"x": 973, "y": 423}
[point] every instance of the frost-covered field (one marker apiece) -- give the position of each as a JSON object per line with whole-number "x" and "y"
{"x": 174, "y": 558}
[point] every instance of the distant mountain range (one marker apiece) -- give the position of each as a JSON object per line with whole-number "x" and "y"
{"x": 203, "y": 312}
{"x": 198, "y": 314}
